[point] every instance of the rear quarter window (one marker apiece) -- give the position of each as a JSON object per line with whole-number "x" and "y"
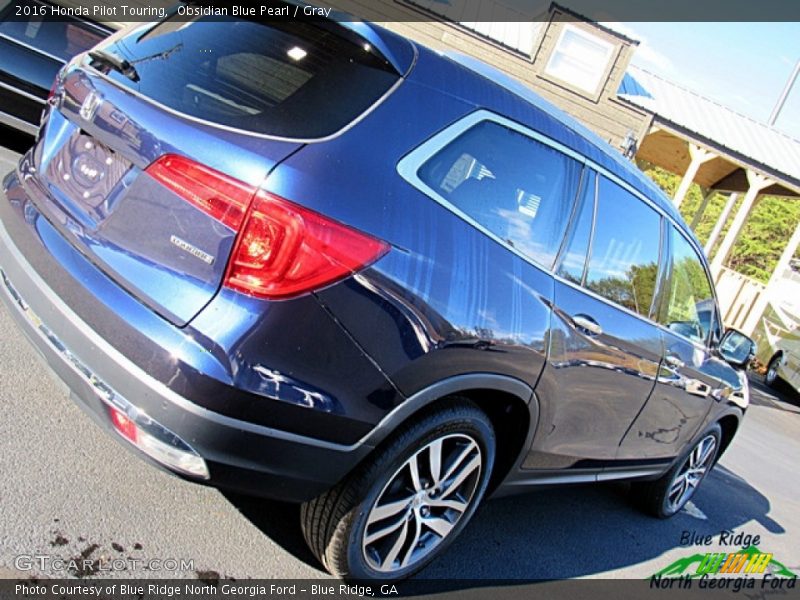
{"x": 516, "y": 187}
{"x": 297, "y": 80}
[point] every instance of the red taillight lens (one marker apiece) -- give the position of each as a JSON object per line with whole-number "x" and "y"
{"x": 282, "y": 250}
{"x": 123, "y": 424}
{"x": 285, "y": 250}
{"x": 222, "y": 197}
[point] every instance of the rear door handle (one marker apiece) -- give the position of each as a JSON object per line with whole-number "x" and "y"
{"x": 588, "y": 324}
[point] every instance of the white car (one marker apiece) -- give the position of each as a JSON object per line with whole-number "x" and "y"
{"x": 778, "y": 340}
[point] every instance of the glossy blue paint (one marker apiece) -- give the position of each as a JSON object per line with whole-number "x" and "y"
{"x": 447, "y": 301}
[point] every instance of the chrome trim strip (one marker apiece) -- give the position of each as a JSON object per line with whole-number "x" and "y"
{"x": 18, "y": 123}
{"x": 33, "y": 48}
{"x": 410, "y": 164}
{"x": 22, "y": 93}
{"x": 529, "y": 478}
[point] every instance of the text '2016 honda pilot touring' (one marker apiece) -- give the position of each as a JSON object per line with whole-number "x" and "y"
{"x": 320, "y": 263}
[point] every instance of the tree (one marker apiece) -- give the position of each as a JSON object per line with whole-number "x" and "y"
{"x": 764, "y": 236}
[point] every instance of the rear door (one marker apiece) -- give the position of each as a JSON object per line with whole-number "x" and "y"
{"x": 151, "y": 171}
{"x": 691, "y": 375}
{"x": 604, "y": 352}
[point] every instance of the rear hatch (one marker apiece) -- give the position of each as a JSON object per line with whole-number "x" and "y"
{"x": 157, "y": 144}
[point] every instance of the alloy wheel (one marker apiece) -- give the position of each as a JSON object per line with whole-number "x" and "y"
{"x": 422, "y": 503}
{"x": 694, "y": 469}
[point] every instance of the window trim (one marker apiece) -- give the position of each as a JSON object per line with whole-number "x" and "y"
{"x": 409, "y": 166}
{"x": 573, "y": 224}
{"x": 610, "y": 48}
{"x": 411, "y": 162}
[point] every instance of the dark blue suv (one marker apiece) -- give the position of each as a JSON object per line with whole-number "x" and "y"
{"x": 320, "y": 263}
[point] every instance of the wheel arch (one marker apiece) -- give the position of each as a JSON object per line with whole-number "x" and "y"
{"x": 729, "y": 424}
{"x": 509, "y": 403}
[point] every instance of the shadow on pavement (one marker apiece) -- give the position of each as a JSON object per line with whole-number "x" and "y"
{"x": 279, "y": 521}
{"x": 781, "y": 397}
{"x": 562, "y": 532}
{"x": 551, "y": 533}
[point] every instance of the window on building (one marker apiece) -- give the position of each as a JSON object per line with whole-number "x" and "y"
{"x": 624, "y": 260}
{"x": 580, "y": 59}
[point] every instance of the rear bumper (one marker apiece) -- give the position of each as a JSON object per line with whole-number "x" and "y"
{"x": 239, "y": 455}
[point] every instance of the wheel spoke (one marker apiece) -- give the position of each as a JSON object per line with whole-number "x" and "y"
{"x": 384, "y": 531}
{"x": 454, "y": 504}
{"x": 466, "y": 471}
{"x": 379, "y": 513}
{"x": 440, "y": 527}
{"x": 414, "y": 541}
{"x": 694, "y": 457}
{"x": 435, "y": 458}
{"x": 677, "y": 485}
{"x": 398, "y": 545}
{"x": 706, "y": 454}
{"x": 461, "y": 457}
{"x": 413, "y": 465}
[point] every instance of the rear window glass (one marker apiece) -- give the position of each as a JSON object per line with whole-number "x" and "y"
{"x": 294, "y": 79}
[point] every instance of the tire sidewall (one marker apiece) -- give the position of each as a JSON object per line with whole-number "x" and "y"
{"x": 474, "y": 426}
{"x": 714, "y": 430}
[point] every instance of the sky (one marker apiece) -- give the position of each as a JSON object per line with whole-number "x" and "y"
{"x": 742, "y": 65}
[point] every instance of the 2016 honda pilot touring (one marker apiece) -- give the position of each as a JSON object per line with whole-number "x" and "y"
{"x": 320, "y": 263}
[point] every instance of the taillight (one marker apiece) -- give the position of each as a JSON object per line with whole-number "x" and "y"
{"x": 123, "y": 424}
{"x": 282, "y": 250}
{"x": 285, "y": 250}
{"x": 222, "y": 197}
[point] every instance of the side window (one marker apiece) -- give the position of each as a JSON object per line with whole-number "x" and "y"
{"x": 577, "y": 247}
{"x": 516, "y": 187}
{"x": 624, "y": 260}
{"x": 690, "y": 308}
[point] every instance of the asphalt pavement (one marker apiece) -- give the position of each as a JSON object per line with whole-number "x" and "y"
{"x": 67, "y": 490}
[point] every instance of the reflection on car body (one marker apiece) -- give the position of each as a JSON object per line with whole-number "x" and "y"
{"x": 328, "y": 265}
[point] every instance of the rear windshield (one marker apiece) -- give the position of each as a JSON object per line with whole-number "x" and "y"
{"x": 301, "y": 80}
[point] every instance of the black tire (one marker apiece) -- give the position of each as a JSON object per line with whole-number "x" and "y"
{"x": 771, "y": 377}
{"x": 658, "y": 497}
{"x": 335, "y": 523}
